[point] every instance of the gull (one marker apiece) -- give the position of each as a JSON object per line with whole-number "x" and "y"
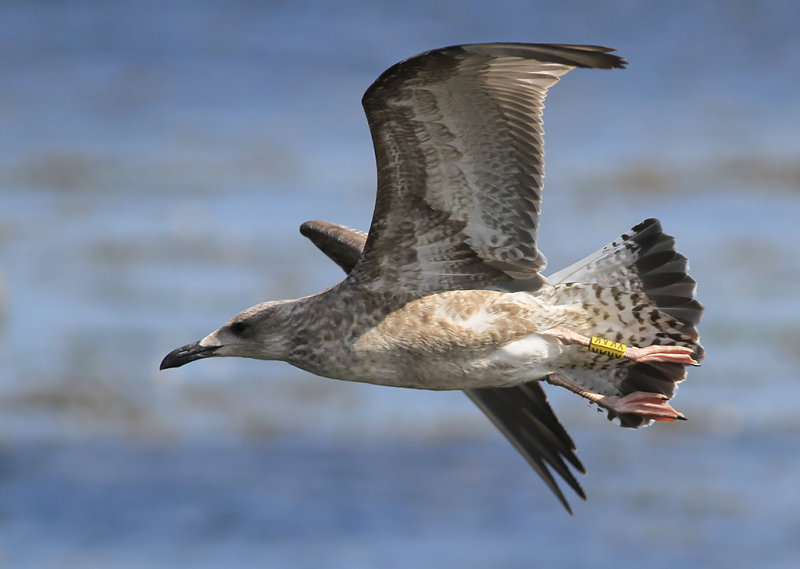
{"x": 445, "y": 291}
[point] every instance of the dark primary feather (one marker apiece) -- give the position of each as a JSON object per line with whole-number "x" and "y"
{"x": 457, "y": 134}
{"x": 524, "y": 416}
{"x": 521, "y": 412}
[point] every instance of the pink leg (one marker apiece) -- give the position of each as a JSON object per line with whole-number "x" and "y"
{"x": 674, "y": 354}
{"x": 654, "y": 353}
{"x": 648, "y": 405}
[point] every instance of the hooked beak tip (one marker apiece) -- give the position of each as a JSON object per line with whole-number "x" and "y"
{"x": 186, "y": 354}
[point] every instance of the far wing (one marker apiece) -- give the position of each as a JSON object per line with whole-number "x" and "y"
{"x": 342, "y": 244}
{"x": 524, "y": 416}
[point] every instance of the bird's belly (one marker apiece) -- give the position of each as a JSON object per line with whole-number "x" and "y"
{"x": 535, "y": 351}
{"x": 527, "y": 359}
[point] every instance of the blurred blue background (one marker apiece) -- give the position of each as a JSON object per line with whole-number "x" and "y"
{"x": 156, "y": 159}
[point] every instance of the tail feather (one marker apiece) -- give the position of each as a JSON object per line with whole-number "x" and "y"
{"x": 642, "y": 260}
{"x": 645, "y": 281}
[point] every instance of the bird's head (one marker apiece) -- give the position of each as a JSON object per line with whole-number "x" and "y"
{"x": 259, "y": 332}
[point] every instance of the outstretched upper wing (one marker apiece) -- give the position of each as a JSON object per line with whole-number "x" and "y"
{"x": 458, "y": 143}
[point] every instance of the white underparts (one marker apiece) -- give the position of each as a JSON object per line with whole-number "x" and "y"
{"x": 531, "y": 357}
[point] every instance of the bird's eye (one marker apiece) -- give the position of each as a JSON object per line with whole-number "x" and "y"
{"x": 238, "y": 328}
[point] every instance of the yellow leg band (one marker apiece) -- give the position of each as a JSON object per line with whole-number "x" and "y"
{"x": 607, "y": 347}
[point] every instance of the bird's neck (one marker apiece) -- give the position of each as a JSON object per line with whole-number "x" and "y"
{"x": 325, "y": 326}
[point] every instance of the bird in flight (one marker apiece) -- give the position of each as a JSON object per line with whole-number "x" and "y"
{"x": 445, "y": 291}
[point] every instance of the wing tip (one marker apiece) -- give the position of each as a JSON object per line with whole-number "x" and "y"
{"x": 576, "y": 55}
{"x": 573, "y": 55}
{"x": 605, "y": 56}
{"x": 340, "y": 243}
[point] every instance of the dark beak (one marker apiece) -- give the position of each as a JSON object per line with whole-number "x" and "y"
{"x": 186, "y": 354}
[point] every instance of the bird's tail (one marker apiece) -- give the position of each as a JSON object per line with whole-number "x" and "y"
{"x": 642, "y": 260}
{"x": 637, "y": 291}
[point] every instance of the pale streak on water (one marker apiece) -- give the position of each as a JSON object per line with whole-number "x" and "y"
{"x": 155, "y": 162}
